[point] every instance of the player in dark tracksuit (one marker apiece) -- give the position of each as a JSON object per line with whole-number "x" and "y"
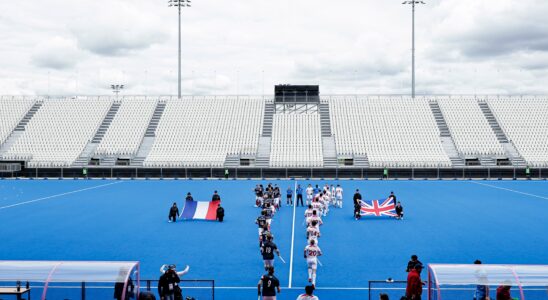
{"x": 189, "y": 197}
{"x": 268, "y": 249}
{"x": 262, "y": 222}
{"x": 263, "y": 237}
{"x": 220, "y": 214}
{"x": 173, "y": 213}
{"x": 357, "y": 197}
{"x": 399, "y": 211}
{"x": 270, "y": 284}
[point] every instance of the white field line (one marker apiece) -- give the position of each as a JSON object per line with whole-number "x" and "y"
{"x": 509, "y": 190}
{"x": 292, "y": 238}
{"x": 59, "y": 195}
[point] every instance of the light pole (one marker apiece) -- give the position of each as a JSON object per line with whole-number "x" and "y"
{"x": 413, "y": 2}
{"x": 179, "y": 4}
{"x": 117, "y": 88}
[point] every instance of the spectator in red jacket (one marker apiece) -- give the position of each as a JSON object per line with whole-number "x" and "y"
{"x": 414, "y": 283}
{"x": 503, "y": 292}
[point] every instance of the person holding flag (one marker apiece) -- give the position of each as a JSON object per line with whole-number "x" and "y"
{"x": 173, "y": 213}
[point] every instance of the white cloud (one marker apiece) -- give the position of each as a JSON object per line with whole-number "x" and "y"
{"x": 118, "y": 30}
{"x": 57, "y": 53}
{"x": 356, "y": 46}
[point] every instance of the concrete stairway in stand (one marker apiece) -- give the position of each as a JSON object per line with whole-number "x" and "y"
{"x": 510, "y": 150}
{"x": 325, "y": 120}
{"x": 89, "y": 149}
{"x": 268, "y": 119}
{"x": 232, "y": 161}
{"x": 361, "y": 161}
{"x": 150, "y": 135}
{"x": 263, "y": 153}
{"x": 20, "y": 128}
{"x": 329, "y": 152}
{"x": 445, "y": 136}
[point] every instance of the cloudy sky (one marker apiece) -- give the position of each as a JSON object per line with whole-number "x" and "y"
{"x": 62, "y": 47}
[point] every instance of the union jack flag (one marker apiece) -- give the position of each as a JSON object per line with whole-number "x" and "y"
{"x": 387, "y": 208}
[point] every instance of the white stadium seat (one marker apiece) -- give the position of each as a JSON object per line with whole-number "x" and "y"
{"x": 59, "y": 131}
{"x": 296, "y": 141}
{"x": 12, "y": 110}
{"x": 391, "y": 131}
{"x": 202, "y": 131}
{"x": 469, "y": 128}
{"x": 128, "y": 127}
{"x": 525, "y": 123}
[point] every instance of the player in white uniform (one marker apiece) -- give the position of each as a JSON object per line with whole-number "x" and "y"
{"x": 317, "y": 205}
{"x": 311, "y": 254}
{"x": 309, "y": 294}
{"x": 324, "y": 199}
{"x": 339, "y": 195}
{"x": 313, "y": 231}
{"x": 333, "y": 198}
{"x": 309, "y": 191}
{"x": 308, "y": 211}
{"x": 314, "y": 217}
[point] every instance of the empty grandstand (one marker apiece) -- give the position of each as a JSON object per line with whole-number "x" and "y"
{"x": 391, "y": 131}
{"x": 59, "y": 131}
{"x": 256, "y": 133}
{"x": 202, "y": 131}
{"x": 524, "y": 120}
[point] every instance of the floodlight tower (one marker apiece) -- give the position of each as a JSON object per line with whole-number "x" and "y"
{"x": 179, "y": 4}
{"x": 117, "y": 88}
{"x": 413, "y": 2}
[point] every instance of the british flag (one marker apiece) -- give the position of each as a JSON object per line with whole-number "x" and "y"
{"x": 387, "y": 208}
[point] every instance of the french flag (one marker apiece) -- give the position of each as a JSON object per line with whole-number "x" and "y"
{"x": 200, "y": 210}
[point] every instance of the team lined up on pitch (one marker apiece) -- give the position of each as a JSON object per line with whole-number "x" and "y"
{"x": 317, "y": 201}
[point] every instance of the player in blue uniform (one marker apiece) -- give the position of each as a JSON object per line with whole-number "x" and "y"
{"x": 289, "y": 194}
{"x": 270, "y": 284}
{"x": 268, "y": 249}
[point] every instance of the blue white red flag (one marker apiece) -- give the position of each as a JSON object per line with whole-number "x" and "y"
{"x": 386, "y": 208}
{"x": 200, "y": 210}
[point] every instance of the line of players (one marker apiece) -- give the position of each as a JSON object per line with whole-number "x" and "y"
{"x": 318, "y": 201}
{"x": 269, "y": 201}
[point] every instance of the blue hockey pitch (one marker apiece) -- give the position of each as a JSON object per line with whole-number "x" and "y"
{"x": 499, "y": 222}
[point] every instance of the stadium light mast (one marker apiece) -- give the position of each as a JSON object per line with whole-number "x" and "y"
{"x": 413, "y": 2}
{"x": 179, "y": 4}
{"x": 117, "y": 88}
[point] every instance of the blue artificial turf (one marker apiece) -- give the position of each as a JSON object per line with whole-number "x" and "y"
{"x": 445, "y": 222}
